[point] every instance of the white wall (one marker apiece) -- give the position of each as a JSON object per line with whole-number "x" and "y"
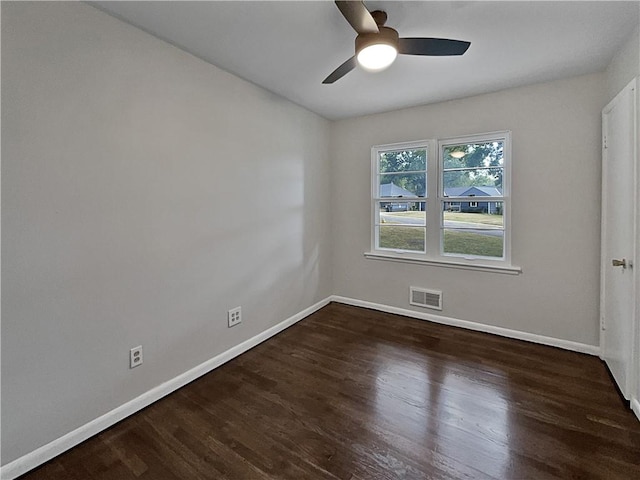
{"x": 555, "y": 209}
{"x": 624, "y": 66}
{"x": 144, "y": 193}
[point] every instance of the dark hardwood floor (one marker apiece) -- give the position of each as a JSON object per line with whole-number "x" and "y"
{"x": 350, "y": 393}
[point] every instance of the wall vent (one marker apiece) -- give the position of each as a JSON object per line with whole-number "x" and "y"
{"x": 422, "y": 297}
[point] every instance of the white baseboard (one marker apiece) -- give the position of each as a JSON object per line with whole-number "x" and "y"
{"x": 635, "y": 406}
{"x": 503, "y": 332}
{"x": 56, "y": 447}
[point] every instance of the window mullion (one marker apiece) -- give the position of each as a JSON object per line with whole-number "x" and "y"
{"x": 433, "y": 222}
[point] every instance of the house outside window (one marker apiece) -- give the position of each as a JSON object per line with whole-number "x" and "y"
{"x": 443, "y": 201}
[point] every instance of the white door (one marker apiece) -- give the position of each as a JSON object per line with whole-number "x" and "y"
{"x": 618, "y": 231}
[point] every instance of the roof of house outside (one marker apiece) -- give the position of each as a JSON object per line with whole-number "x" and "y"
{"x": 475, "y": 191}
{"x": 392, "y": 190}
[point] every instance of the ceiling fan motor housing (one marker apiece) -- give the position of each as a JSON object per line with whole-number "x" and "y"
{"x": 385, "y": 35}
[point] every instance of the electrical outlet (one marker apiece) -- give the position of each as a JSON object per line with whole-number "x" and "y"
{"x": 234, "y": 316}
{"x": 135, "y": 356}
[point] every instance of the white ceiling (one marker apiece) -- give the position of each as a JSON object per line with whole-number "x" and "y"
{"x": 290, "y": 47}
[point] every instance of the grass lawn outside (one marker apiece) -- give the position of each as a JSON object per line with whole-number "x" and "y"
{"x": 466, "y": 243}
{"x": 402, "y": 238}
{"x": 479, "y": 218}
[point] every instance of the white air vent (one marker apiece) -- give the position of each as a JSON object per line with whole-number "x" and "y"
{"x": 425, "y": 298}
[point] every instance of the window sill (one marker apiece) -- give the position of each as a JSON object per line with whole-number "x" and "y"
{"x": 408, "y": 258}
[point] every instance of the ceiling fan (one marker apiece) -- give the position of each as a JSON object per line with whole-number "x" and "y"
{"x": 377, "y": 46}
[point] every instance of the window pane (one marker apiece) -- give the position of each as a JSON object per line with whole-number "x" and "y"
{"x": 403, "y": 185}
{"x": 402, "y": 213}
{"x": 403, "y": 161}
{"x": 467, "y": 165}
{"x": 402, "y": 238}
{"x": 481, "y": 243}
{"x": 473, "y": 228}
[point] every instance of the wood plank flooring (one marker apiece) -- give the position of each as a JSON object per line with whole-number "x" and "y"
{"x": 350, "y": 393}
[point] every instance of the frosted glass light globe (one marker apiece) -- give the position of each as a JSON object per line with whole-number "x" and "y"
{"x": 377, "y": 57}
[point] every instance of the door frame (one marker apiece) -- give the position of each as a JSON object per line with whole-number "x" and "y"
{"x": 633, "y": 381}
{"x": 635, "y": 395}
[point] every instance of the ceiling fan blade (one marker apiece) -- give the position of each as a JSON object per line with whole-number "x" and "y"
{"x": 341, "y": 71}
{"x": 358, "y": 16}
{"x": 432, "y": 46}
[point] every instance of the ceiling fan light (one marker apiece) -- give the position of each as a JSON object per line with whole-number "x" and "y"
{"x": 457, "y": 154}
{"x": 376, "y": 51}
{"x": 377, "y": 57}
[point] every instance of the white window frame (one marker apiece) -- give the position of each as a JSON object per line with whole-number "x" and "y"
{"x": 434, "y": 199}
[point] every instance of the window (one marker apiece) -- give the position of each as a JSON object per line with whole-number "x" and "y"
{"x": 399, "y": 190}
{"x": 451, "y": 210}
